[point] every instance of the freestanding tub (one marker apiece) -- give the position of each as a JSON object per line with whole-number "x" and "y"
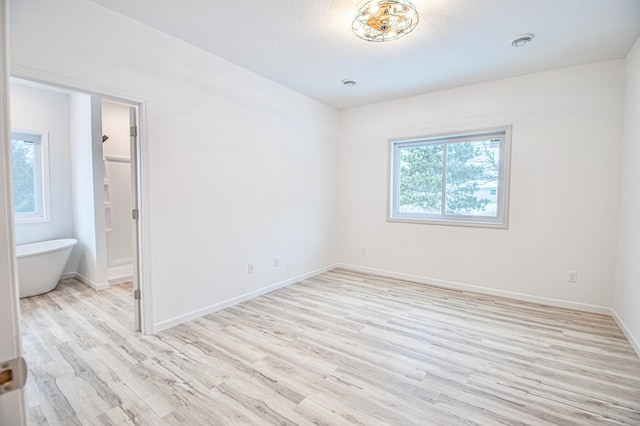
{"x": 40, "y": 265}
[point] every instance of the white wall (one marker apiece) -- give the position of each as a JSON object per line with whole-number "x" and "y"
{"x": 567, "y": 132}
{"x": 627, "y": 289}
{"x": 38, "y": 109}
{"x": 241, "y": 169}
{"x": 87, "y": 184}
{"x": 115, "y": 124}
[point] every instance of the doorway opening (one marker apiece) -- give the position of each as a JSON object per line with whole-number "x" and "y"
{"x": 90, "y": 179}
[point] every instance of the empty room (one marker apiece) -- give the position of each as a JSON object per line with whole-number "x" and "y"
{"x": 359, "y": 212}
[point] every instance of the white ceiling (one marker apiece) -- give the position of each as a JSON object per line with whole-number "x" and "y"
{"x": 308, "y": 45}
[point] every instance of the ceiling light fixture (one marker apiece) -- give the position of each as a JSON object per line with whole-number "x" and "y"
{"x": 522, "y": 40}
{"x": 384, "y": 20}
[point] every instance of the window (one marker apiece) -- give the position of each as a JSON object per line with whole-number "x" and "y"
{"x": 458, "y": 179}
{"x": 29, "y": 160}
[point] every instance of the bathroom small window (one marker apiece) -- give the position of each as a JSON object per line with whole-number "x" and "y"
{"x": 30, "y": 167}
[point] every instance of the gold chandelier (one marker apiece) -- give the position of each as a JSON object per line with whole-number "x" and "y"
{"x": 383, "y": 20}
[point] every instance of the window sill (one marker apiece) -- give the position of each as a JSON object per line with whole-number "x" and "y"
{"x": 450, "y": 222}
{"x": 31, "y": 220}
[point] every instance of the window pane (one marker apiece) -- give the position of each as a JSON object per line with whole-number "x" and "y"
{"x": 23, "y": 157}
{"x": 457, "y": 179}
{"x": 472, "y": 178}
{"x": 420, "y": 175}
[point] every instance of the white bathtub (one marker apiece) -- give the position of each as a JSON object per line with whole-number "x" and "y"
{"x": 40, "y": 265}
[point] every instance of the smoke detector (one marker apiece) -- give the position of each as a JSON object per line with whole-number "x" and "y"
{"x": 522, "y": 40}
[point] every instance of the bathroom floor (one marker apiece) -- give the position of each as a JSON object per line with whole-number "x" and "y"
{"x": 337, "y": 349}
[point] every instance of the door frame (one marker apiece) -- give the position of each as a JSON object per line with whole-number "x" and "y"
{"x": 134, "y": 112}
{"x": 12, "y": 404}
{"x": 143, "y": 239}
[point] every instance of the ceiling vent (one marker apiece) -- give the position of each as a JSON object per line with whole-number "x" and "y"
{"x": 522, "y": 40}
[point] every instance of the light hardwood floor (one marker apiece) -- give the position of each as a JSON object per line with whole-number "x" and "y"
{"x": 341, "y": 348}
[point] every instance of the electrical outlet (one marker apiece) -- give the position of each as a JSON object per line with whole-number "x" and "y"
{"x": 363, "y": 250}
{"x": 573, "y": 277}
{"x": 251, "y": 268}
{"x": 276, "y": 262}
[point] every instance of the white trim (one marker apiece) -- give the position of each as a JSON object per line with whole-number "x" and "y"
{"x": 625, "y": 330}
{"x": 448, "y": 222}
{"x": 12, "y": 405}
{"x": 73, "y": 84}
{"x": 117, "y": 274}
{"x": 120, "y": 280}
{"x": 164, "y": 325}
{"x": 68, "y": 275}
{"x": 482, "y": 290}
{"x": 144, "y": 223}
{"x": 85, "y": 280}
{"x": 117, "y": 159}
{"x": 97, "y": 287}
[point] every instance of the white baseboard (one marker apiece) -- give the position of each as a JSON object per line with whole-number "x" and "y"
{"x": 634, "y": 343}
{"x": 120, "y": 280}
{"x": 164, "y": 325}
{"x": 85, "y": 280}
{"x": 120, "y": 273}
{"x": 483, "y": 290}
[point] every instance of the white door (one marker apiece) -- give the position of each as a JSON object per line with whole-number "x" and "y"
{"x": 12, "y": 406}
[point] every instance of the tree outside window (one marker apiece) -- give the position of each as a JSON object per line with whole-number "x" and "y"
{"x": 29, "y": 173}
{"x": 452, "y": 178}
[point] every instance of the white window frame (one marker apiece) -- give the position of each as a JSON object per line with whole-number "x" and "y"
{"x": 501, "y": 221}
{"x": 43, "y": 186}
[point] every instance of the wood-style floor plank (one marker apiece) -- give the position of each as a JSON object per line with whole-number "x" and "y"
{"x": 342, "y": 348}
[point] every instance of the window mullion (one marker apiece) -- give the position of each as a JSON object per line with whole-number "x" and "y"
{"x": 444, "y": 178}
